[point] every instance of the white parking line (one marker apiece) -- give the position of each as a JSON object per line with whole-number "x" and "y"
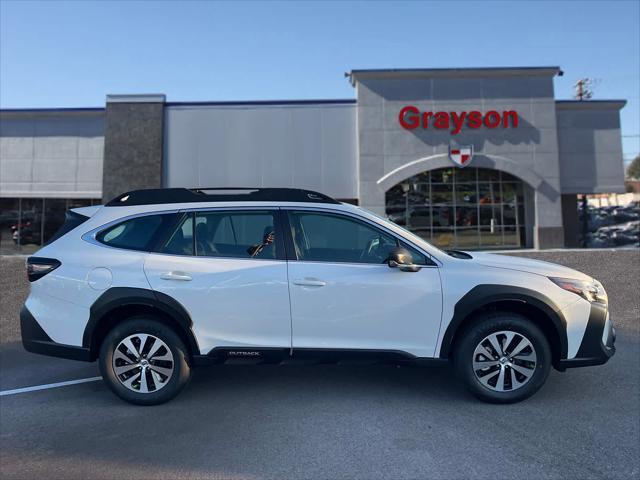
{"x": 48, "y": 386}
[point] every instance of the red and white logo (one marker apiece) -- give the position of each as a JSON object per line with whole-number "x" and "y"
{"x": 461, "y": 156}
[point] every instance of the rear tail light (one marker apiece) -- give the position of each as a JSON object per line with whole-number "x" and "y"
{"x": 38, "y": 267}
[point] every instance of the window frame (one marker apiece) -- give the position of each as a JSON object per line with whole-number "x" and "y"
{"x": 291, "y": 251}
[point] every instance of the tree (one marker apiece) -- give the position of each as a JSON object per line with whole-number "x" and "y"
{"x": 633, "y": 170}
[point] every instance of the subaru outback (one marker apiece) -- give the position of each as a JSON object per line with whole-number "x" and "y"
{"x": 159, "y": 281}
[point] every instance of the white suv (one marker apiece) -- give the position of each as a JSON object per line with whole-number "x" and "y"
{"x": 158, "y": 281}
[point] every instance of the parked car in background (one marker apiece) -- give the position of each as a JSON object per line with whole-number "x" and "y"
{"x": 620, "y": 235}
{"x": 611, "y": 226}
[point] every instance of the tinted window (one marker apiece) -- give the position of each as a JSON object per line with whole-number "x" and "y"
{"x": 134, "y": 234}
{"x": 418, "y": 258}
{"x": 181, "y": 240}
{"x": 333, "y": 238}
{"x": 235, "y": 234}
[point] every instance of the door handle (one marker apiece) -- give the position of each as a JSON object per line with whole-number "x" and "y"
{"x": 309, "y": 282}
{"x": 180, "y": 276}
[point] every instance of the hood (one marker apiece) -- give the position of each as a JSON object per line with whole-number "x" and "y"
{"x": 527, "y": 265}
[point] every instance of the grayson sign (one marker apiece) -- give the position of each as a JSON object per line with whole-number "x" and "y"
{"x": 411, "y": 117}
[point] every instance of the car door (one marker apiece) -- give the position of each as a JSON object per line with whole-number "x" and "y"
{"x": 344, "y": 295}
{"x": 228, "y": 269}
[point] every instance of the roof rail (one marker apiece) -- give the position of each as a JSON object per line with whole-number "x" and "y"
{"x": 217, "y": 194}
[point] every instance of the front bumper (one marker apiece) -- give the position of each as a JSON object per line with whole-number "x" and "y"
{"x": 36, "y": 340}
{"x": 598, "y": 342}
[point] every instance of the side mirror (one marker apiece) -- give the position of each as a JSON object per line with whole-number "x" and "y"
{"x": 401, "y": 258}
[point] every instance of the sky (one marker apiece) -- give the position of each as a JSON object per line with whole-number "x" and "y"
{"x": 71, "y": 54}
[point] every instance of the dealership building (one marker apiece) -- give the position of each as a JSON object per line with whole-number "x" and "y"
{"x": 475, "y": 158}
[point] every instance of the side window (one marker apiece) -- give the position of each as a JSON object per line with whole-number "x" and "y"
{"x": 236, "y": 234}
{"x": 134, "y": 234}
{"x": 334, "y": 238}
{"x": 225, "y": 233}
{"x": 181, "y": 240}
{"x": 418, "y": 258}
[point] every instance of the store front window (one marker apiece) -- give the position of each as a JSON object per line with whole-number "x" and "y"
{"x": 470, "y": 208}
{"x": 28, "y": 223}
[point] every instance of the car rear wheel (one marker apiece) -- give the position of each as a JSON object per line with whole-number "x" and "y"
{"x": 503, "y": 358}
{"x": 144, "y": 362}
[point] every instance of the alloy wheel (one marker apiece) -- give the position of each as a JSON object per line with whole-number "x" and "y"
{"x": 504, "y": 361}
{"x": 143, "y": 363}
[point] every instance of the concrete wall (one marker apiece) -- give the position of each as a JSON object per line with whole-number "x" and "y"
{"x": 51, "y": 153}
{"x": 390, "y": 153}
{"x": 309, "y": 146}
{"x": 590, "y": 146}
{"x": 133, "y": 148}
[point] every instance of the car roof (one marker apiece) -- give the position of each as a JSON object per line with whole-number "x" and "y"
{"x": 164, "y": 196}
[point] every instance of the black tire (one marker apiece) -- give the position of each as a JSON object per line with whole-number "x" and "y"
{"x": 174, "y": 382}
{"x": 477, "y": 332}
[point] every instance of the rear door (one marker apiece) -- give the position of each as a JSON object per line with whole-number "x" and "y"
{"x": 228, "y": 269}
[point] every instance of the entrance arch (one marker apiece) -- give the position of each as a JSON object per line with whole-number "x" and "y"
{"x": 467, "y": 208}
{"x": 441, "y": 160}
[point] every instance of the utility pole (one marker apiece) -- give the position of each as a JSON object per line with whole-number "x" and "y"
{"x": 582, "y": 89}
{"x": 585, "y": 222}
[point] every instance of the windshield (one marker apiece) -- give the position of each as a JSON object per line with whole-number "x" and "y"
{"x": 407, "y": 233}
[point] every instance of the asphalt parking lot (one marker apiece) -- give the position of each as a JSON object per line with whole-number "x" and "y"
{"x": 325, "y": 422}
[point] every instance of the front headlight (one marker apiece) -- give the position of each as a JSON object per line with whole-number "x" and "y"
{"x": 592, "y": 291}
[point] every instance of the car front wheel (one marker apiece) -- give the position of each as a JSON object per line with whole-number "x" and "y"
{"x": 144, "y": 362}
{"x": 503, "y": 358}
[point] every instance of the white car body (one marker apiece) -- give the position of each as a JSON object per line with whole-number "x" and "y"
{"x": 247, "y": 306}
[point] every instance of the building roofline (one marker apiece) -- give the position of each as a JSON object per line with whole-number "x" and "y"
{"x": 52, "y": 110}
{"x": 136, "y": 98}
{"x": 590, "y": 104}
{"x": 56, "y": 110}
{"x": 231, "y": 103}
{"x": 353, "y": 75}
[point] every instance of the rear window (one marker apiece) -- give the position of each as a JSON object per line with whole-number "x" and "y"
{"x": 138, "y": 233}
{"x": 236, "y": 234}
{"x": 245, "y": 234}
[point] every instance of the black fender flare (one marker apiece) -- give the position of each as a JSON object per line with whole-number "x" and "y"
{"x": 486, "y": 294}
{"x": 117, "y": 297}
